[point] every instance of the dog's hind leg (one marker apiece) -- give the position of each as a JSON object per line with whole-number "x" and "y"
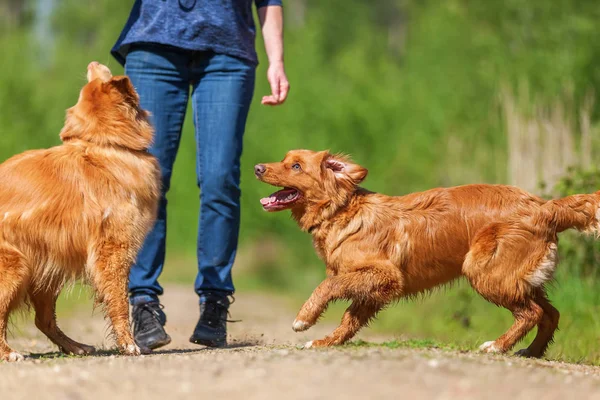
{"x": 527, "y": 316}
{"x": 507, "y": 265}
{"x": 546, "y": 328}
{"x": 44, "y": 303}
{"x": 13, "y": 279}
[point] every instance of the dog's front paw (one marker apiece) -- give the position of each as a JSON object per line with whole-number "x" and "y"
{"x": 131, "y": 350}
{"x": 490, "y": 347}
{"x": 318, "y": 343}
{"x": 300, "y": 325}
{"x": 13, "y": 356}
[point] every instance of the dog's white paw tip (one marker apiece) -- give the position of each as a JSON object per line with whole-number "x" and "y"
{"x": 300, "y": 325}
{"x": 489, "y": 347}
{"x": 132, "y": 350}
{"x": 15, "y": 357}
{"x": 308, "y": 345}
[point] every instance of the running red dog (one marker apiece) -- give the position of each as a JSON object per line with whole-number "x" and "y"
{"x": 378, "y": 248}
{"x": 79, "y": 210}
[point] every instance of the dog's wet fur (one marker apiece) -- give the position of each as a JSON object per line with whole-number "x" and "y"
{"x": 378, "y": 248}
{"x": 79, "y": 211}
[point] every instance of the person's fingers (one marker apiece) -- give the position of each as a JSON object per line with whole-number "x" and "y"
{"x": 269, "y": 100}
{"x": 285, "y": 89}
{"x": 274, "y": 82}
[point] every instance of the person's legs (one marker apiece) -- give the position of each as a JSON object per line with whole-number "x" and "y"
{"x": 160, "y": 76}
{"x": 222, "y": 92}
{"x": 221, "y": 100}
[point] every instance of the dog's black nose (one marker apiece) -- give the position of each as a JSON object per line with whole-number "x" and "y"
{"x": 259, "y": 169}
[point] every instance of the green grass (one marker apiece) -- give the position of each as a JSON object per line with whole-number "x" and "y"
{"x": 73, "y": 299}
{"x": 407, "y": 344}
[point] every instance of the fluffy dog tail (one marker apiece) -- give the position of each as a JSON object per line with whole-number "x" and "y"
{"x": 580, "y": 211}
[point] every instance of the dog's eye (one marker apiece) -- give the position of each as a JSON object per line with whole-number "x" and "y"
{"x": 296, "y": 167}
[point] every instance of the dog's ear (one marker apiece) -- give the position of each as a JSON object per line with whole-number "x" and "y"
{"x": 343, "y": 169}
{"x": 124, "y": 86}
{"x": 122, "y": 83}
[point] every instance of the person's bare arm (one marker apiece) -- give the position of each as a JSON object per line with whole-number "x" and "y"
{"x": 271, "y": 21}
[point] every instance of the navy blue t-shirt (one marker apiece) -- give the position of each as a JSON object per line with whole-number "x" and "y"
{"x": 222, "y": 26}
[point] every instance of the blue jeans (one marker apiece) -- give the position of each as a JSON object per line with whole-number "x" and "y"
{"x": 221, "y": 91}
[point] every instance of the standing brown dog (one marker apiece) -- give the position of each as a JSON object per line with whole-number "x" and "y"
{"x": 379, "y": 248}
{"x": 79, "y": 210}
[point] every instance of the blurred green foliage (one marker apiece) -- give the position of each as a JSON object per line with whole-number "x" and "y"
{"x": 580, "y": 252}
{"x": 410, "y": 88}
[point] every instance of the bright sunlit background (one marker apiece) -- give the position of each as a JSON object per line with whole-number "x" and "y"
{"x": 423, "y": 93}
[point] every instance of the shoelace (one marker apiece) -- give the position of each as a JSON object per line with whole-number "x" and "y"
{"x": 229, "y": 314}
{"x": 139, "y": 322}
{"x": 214, "y": 312}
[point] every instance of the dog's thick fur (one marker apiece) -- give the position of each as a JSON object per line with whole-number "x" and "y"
{"x": 79, "y": 210}
{"x": 378, "y": 249}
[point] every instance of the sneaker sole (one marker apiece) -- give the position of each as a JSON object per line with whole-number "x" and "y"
{"x": 159, "y": 343}
{"x": 208, "y": 342}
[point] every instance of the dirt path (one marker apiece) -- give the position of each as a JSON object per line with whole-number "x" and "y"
{"x": 264, "y": 363}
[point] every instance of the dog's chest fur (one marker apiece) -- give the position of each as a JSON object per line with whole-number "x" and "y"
{"x": 331, "y": 238}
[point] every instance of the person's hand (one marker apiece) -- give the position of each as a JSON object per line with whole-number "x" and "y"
{"x": 279, "y": 85}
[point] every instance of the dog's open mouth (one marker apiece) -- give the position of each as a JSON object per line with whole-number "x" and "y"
{"x": 280, "y": 200}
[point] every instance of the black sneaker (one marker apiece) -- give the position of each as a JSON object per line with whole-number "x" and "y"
{"x": 211, "y": 329}
{"x": 148, "y": 325}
